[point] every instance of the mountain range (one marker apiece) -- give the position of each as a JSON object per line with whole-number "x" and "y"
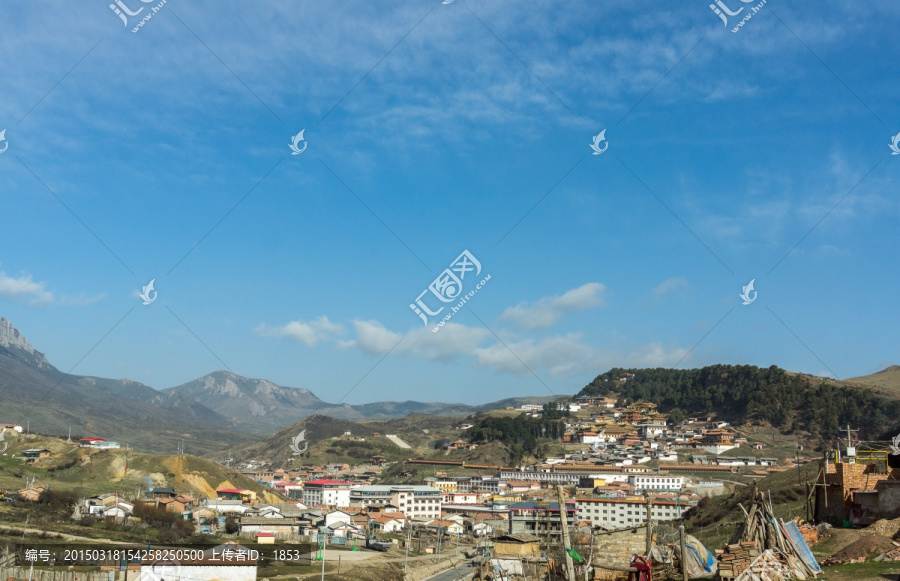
{"x": 208, "y": 414}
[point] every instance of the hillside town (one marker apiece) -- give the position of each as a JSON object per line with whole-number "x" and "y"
{"x": 623, "y": 465}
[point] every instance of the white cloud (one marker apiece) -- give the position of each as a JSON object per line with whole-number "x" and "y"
{"x": 309, "y": 334}
{"x": 372, "y": 337}
{"x": 556, "y": 355}
{"x": 547, "y": 311}
{"x": 671, "y": 285}
{"x": 24, "y": 288}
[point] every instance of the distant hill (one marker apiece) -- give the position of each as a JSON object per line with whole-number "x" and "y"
{"x": 259, "y": 406}
{"x": 742, "y": 393}
{"x": 886, "y": 380}
{"x": 211, "y": 413}
{"x": 33, "y": 389}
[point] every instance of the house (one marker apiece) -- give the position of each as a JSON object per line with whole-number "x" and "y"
{"x": 518, "y": 545}
{"x": 276, "y": 526}
{"x": 171, "y": 505}
{"x": 33, "y": 454}
{"x": 335, "y": 517}
{"x": 386, "y": 524}
{"x": 13, "y": 427}
{"x": 159, "y": 493}
{"x": 245, "y": 496}
{"x": 265, "y": 538}
{"x": 482, "y": 529}
{"x": 345, "y": 530}
{"x": 289, "y": 489}
{"x": 227, "y": 506}
{"x": 522, "y": 485}
{"x": 447, "y": 527}
{"x": 460, "y": 445}
{"x": 98, "y": 443}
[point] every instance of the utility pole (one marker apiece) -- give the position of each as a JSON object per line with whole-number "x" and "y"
{"x": 684, "y": 569}
{"x": 570, "y": 566}
{"x": 649, "y": 525}
{"x": 408, "y": 541}
{"x": 324, "y": 537}
{"x": 851, "y": 449}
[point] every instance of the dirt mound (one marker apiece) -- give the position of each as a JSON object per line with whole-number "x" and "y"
{"x": 867, "y": 546}
{"x": 887, "y": 528}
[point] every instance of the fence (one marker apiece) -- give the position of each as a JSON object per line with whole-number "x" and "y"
{"x": 22, "y": 574}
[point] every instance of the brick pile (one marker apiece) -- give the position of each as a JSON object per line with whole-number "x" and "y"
{"x": 809, "y": 532}
{"x": 735, "y": 559}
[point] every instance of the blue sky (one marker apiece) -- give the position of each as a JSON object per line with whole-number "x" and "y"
{"x": 432, "y": 129}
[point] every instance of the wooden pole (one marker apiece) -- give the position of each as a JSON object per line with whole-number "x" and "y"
{"x": 563, "y": 520}
{"x": 649, "y": 526}
{"x": 684, "y": 570}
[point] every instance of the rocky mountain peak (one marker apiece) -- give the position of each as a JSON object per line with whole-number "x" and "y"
{"x": 19, "y": 347}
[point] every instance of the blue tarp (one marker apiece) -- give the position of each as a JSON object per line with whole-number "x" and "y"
{"x": 793, "y": 531}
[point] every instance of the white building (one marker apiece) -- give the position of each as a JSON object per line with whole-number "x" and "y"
{"x": 628, "y": 512}
{"x": 423, "y": 502}
{"x": 326, "y": 492}
{"x": 334, "y": 518}
{"x": 656, "y": 482}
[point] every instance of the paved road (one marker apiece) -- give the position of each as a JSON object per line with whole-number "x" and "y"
{"x": 398, "y": 441}
{"x": 461, "y": 571}
{"x": 69, "y": 537}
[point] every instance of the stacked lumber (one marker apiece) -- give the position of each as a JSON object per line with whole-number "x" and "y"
{"x": 761, "y": 531}
{"x": 766, "y": 567}
{"x": 735, "y": 559}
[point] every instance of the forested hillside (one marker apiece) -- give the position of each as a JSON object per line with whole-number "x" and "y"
{"x": 740, "y": 393}
{"x": 520, "y": 434}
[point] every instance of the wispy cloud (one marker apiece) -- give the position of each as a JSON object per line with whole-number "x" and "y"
{"x": 24, "y": 289}
{"x": 309, "y": 333}
{"x": 548, "y": 310}
{"x": 670, "y": 285}
{"x": 555, "y": 355}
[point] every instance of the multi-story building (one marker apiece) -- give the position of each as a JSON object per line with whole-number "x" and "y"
{"x": 443, "y": 484}
{"x": 629, "y": 511}
{"x": 539, "y": 518}
{"x": 422, "y": 502}
{"x": 326, "y": 492}
{"x": 656, "y": 482}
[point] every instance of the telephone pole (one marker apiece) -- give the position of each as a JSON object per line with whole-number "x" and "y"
{"x": 851, "y": 449}
{"x": 563, "y": 520}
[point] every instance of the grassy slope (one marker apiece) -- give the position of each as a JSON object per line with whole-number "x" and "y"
{"x": 106, "y": 471}
{"x": 885, "y": 381}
